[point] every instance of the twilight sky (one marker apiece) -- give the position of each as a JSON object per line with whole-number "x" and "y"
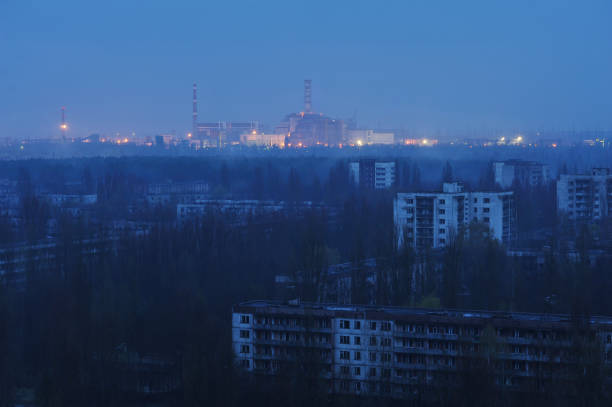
{"x": 427, "y": 65}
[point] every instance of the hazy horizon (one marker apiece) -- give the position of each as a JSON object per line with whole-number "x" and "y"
{"x": 426, "y": 67}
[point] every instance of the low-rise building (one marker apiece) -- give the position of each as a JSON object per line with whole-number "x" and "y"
{"x": 432, "y": 219}
{"x": 241, "y": 209}
{"x": 262, "y": 140}
{"x": 397, "y": 352}
{"x": 585, "y": 197}
{"x": 161, "y": 194}
{"x": 369, "y": 137}
{"x": 69, "y": 200}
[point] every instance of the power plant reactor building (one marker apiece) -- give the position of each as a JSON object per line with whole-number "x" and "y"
{"x": 307, "y": 129}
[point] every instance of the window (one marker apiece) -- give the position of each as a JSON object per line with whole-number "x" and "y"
{"x": 245, "y": 363}
{"x": 373, "y": 325}
{"x": 244, "y": 334}
{"x": 244, "y": 348}
{"x": 442, "y": 221}
{"x": 442, "y": 231}
{"x": 410, "y": 201}
{"x": 244, "y": 319}
{"x": 487, "y": 200}
{"x": 385, "y": 357}
{"x": 344, "y": 370}
{"x": 357, "y": 324}
{"x": 487, "y": 220}
{"x": 442, "y": 241}
{"x": 344, "y": 385}
{"x": 344, "y": 324}
{"x": 442, "y": 201}
{"x": 344, "y": 340}
{"x": 372, "y": 372}
{"x": 385, "y": 342}
{"x": 475, "y": 200}
{"x": 475, "y": 210}
{"x": 357, "y": 371}
{"x": 357, "y": 340}
{"x": 357, "y": 355}
{"x": 486, "y": 210}
{"x": 442, "y": 211}
{"x": 385, "y": 326}
{"x": 344, "y": 355}
{"x": 372, "y": 341}
{"x": 386, "y": 373}
{"x": 372, "y": 356}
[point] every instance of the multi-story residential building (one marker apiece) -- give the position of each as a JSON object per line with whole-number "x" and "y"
{"x": 433, "y": 219}
{"x": 397, "y": 352}
{"x": 524, "y": 172}
{"x": 372, "y": 174}
{"x": 585, "y": 197}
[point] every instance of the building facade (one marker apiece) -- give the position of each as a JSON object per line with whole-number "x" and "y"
{"x": 369, "y": 137}
{"x": 255, "y": 139}
{"x": 585, "y": 197}
{"x": 372, "y": 174}
{"x": 432, "y": 219}
{"x": 524, "y": 172}
{"x": 396, "y": 351}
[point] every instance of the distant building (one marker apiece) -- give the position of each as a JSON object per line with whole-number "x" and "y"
{"x": 262, "y": 140}
{"x": 585, "y": 197}
{"x": 70, "y": 199}
{"x": 189, "y": 187}
{"x": 525, "y": 172}
{"x": 224, "y": 132}
{"x": 369, "y": 137}
{"x": 165, "y": 140}
{"x": 432, "y": 219}
{"x": 241, "y": 209}
{"x": 176, "y": 192}
{"x": 311, "y": 129}
{"x": 372, "y": 174}
{"x": 308, "y": 129}
{"x": 400, "y": 352}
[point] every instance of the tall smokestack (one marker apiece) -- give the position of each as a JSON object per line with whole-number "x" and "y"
{"x": 307, "y": 96}
{"x": 194, "y": 124}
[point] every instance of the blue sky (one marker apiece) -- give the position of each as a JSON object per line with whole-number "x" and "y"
{"x": 127, "y": 65}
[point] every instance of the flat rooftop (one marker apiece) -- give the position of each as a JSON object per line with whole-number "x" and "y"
{"x": 391, "y": 312}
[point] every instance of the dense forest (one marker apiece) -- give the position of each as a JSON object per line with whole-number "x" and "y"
{"x": 169, "y": 292}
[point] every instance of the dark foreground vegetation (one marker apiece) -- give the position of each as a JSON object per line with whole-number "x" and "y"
{"x": 82, "y": 326}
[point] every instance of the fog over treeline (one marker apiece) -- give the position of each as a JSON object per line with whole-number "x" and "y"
{"x": 90, "y": 297}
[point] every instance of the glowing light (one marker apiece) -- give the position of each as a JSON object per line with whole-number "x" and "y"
{"x": 554, "y": 145}
{"x": 359, "y": 143}
{"x": 188, "y": 135}
{"x": 424, "y": 141}
{"x": 63, "y": 126}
